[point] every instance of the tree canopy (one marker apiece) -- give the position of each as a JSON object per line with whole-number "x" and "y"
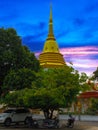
{"x": 51, "y": 90}
{"x": 20, "y": 79}
{"x": 13, "y": 55}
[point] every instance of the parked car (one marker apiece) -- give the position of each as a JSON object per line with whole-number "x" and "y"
{"x": 15, "y": 116}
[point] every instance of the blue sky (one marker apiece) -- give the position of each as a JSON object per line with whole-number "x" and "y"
{"x": 75, "y": 25}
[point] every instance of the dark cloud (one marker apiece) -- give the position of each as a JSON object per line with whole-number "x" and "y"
{"x": 35, "y": 32}
{"x": 77, "y": 44}
{"x": 92, "y": 7}
{"x": 34, "y": 42}
{"x": 34, "y": 46}
{"x": 29, "y": 29}
{"x": 34, "y": 37}
{"x": 42, "y": 25}
{"x": 62, "y": 33}
{"x": 79, "y": 21}
{"x": 8, "y": 17}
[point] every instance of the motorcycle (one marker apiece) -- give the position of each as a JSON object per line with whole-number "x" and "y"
{"x": 32, "y": 123}
{"x": 51, "y": 123}
{"x": 70, "y": 123}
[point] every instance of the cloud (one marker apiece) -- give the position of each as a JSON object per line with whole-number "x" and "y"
{"x": 34, "y": 42}
{"x": 89, "y": 63}
{"x": 34, "y": 31}
{"x": 34, "y": 46}
{"x": 84, "y": 59}
{"x": 33, "y": 37}
{"x": 85, "y": 65}
{"x": 8, "y": 18}
{"x": 87, "y": 50}
{"x": 79, "y": 21}
{"x": 93, "y": 6}
{"x": 62, "y": 33}
{"x": 31, "y": 29}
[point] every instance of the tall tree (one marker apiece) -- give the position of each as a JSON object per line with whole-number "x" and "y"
{"x": 13, "y": 55}
{"x": 9, "y": 44}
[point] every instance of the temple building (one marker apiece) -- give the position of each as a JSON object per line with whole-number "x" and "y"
{"x": 50, "y": 56}
{"x": 84, "y": 98}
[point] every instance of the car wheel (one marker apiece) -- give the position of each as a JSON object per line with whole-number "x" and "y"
{"x": 7, "y": 122}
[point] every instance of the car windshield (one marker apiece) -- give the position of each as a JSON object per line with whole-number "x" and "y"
{"x": 9, "y": 111}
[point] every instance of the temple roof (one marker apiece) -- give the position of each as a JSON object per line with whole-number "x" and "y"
{"x": 90, "y": 94}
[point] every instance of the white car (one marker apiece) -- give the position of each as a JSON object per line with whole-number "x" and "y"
{"x": 15, "y": 116}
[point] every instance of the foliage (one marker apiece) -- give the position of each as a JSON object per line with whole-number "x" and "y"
{"x": 19, "y": 79}
{"x": 52, "y": 89}
{"x": 13, "y": 55}
{"x": 9, "y": 44}
{"x": 93, "y": 109}
{"x": 96, "y": 73}
{"x": 83, "y": 81}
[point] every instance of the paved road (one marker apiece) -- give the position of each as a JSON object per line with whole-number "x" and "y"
{"x": 79, "y": 125}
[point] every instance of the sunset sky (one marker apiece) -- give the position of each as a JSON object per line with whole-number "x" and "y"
{"x": 75, "y": 24}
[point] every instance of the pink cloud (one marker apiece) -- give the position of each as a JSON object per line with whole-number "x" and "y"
{"x": 80, "y": 50}
{"x": 81, "y": 57}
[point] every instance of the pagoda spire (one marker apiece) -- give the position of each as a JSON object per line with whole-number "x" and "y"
{"x": 50, "y": 33}
{"x": 50, "y": 56}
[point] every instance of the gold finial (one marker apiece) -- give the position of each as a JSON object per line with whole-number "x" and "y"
{"x": 50, "y": 12}
{"x": 50, "y": 34}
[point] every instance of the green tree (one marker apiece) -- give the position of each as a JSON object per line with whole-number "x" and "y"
{"x": 13, "y": 55}
{"x": 83, "y": 81}
{"x": 52, "y": 89}
{"x": 20, "y": 79}
{"x": 93, "y": 108}
{"x": 9, "y": 44}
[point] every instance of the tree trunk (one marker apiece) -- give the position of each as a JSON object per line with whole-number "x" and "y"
{"x": 48, "y": 113}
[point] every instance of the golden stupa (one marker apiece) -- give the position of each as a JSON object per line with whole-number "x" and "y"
{"x": 51, "y": 57}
